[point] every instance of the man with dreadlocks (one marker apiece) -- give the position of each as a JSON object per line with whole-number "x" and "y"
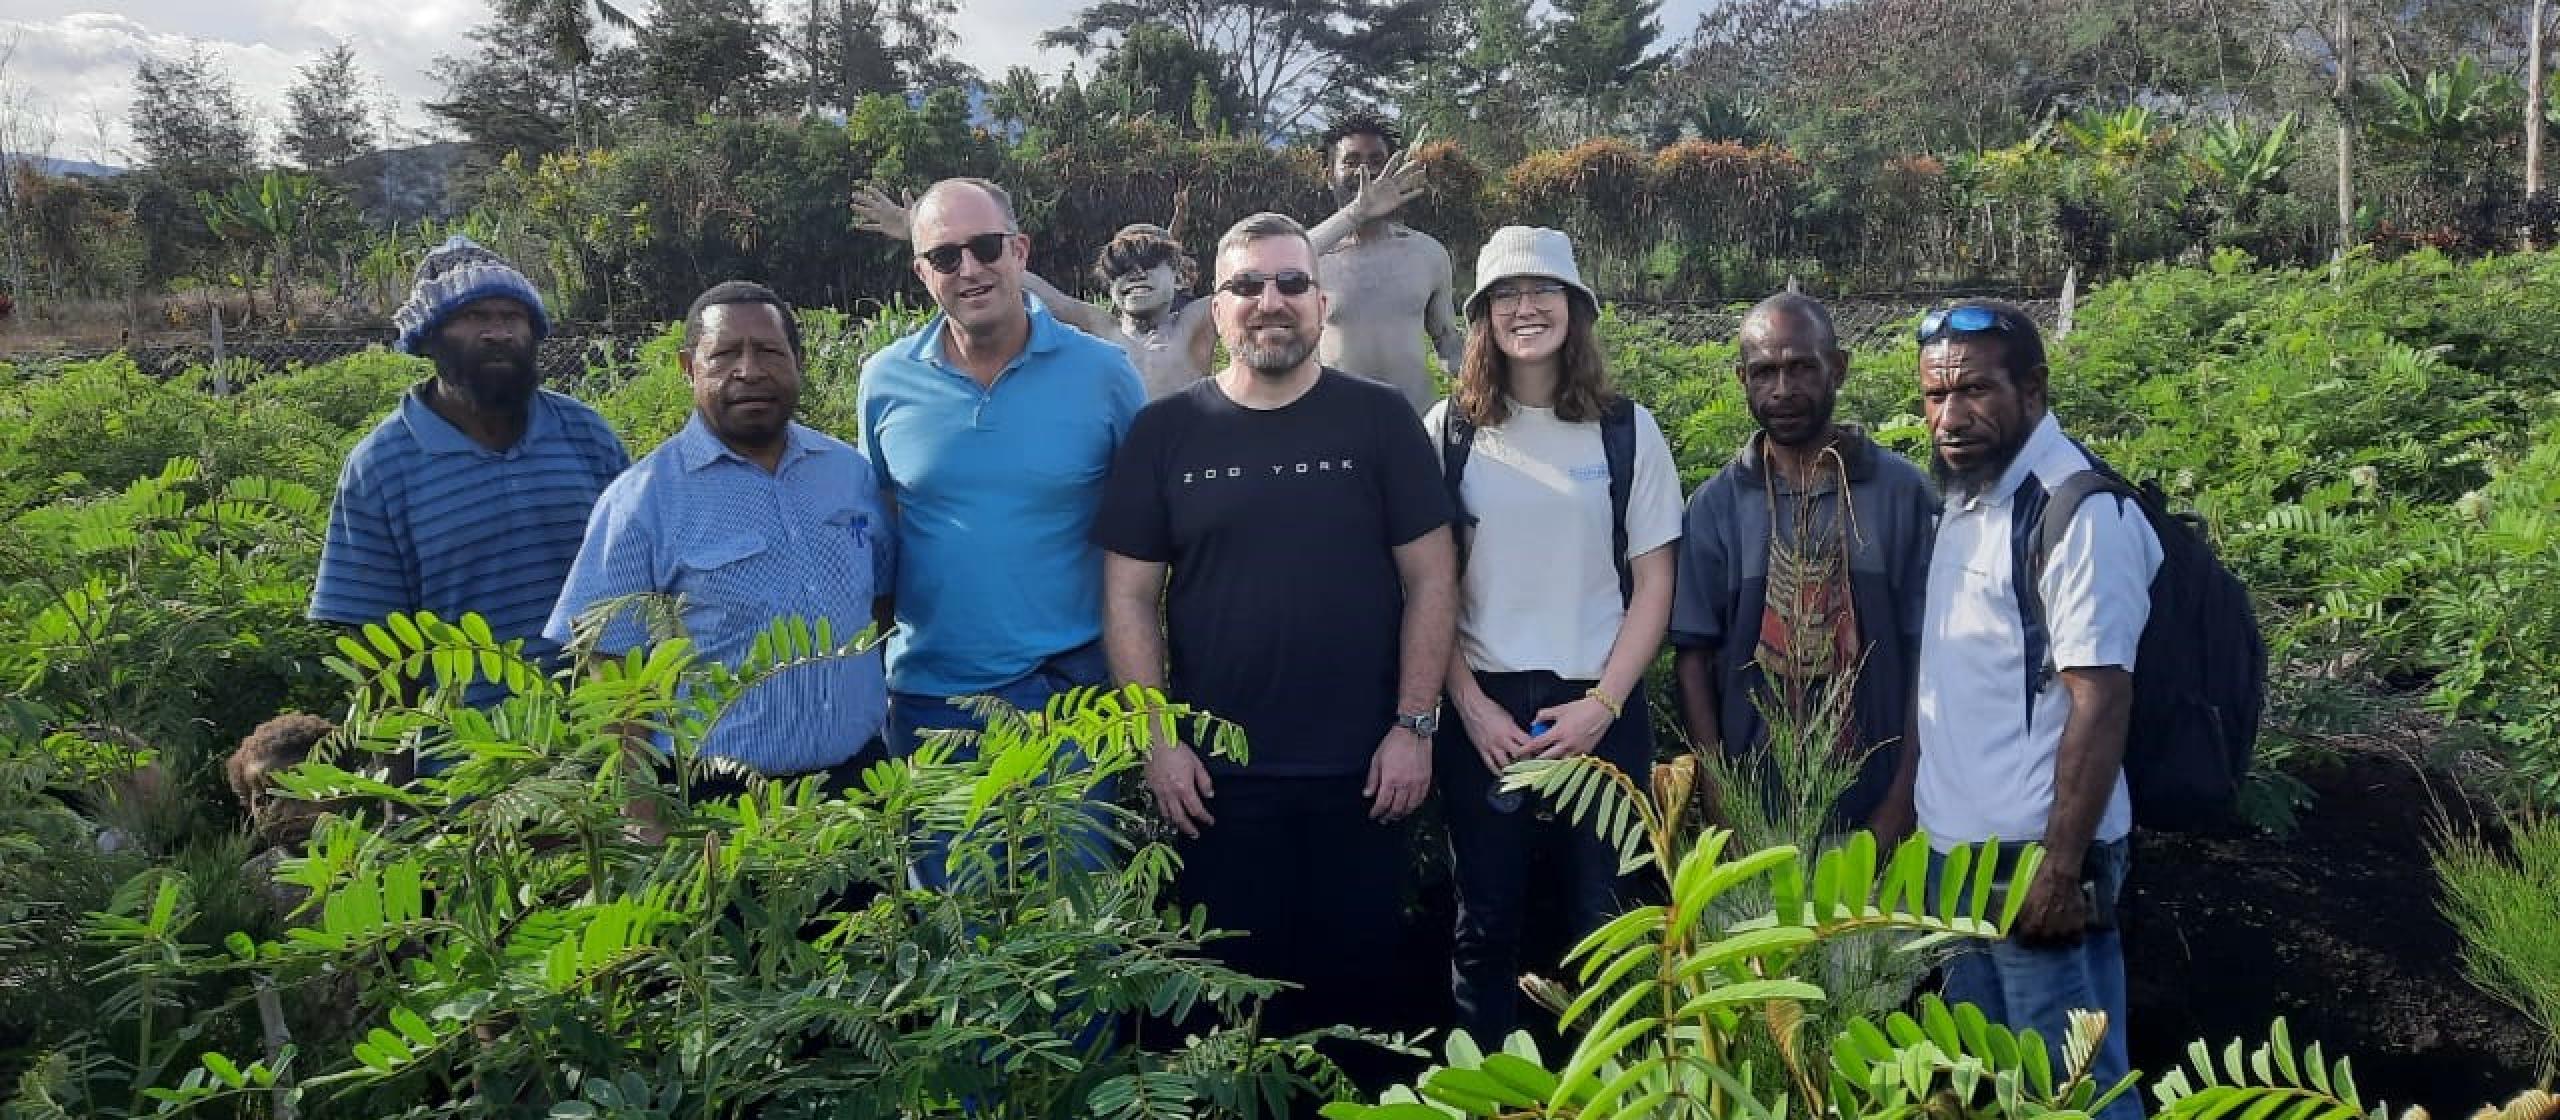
{"x": 1391, "y": 284}
{"x": 1804, "y": 561}
{"x": 1153, "y": 315}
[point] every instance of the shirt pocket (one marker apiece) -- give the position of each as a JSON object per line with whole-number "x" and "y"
{"x": 849, "y": 535}
{"x": 720, "y": 594}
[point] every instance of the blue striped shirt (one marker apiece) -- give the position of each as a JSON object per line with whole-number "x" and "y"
{"x": 996, "y": 489}
{"x": 740, "y": 548}
{"x": 428, "y": 519}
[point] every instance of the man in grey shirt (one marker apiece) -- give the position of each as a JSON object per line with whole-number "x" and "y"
{"x": 1805, "y": 558}
{"x": 1390, "y": 284}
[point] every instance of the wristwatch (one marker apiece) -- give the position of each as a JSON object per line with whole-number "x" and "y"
{"x": 1424, "y": 725}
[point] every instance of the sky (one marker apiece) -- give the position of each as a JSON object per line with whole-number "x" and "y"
{"x": 73, "y": 60}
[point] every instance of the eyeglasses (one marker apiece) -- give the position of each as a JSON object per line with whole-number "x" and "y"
{"x": 945, "y": 259}
{"x": 1969, "y": 318}
{"x": 1248, "y": 285}
{"x": 1508, "y": 297}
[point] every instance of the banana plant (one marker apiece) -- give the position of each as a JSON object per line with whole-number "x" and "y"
{"x": 2242, "y": 164}
{"x": 2450, "y": 106}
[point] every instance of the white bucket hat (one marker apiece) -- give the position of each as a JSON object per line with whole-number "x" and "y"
{"x": 1525, "y": 251}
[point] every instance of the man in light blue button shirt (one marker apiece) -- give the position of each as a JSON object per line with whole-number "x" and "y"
{"x": 992, "y": 429}
{"x": 747, "y": 517}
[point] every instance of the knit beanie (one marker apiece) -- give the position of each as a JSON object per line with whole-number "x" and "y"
{"x": 453, "y": 275}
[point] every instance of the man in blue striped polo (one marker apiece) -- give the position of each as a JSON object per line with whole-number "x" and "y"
{"x": 747, "y": 517}
{"x": 472, "y": 495}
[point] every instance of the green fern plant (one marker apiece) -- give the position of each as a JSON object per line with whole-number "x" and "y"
{"x": 514, "y": 948}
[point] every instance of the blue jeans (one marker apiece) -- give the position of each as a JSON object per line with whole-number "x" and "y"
{"x": 2035, "y": 989}
{"x": 911, "y": 715}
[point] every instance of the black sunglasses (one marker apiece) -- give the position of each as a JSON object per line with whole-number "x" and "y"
{"x": 1969, "y": 318}
{"x": 945, "y": 259}
{"x": 1248, "y": 285}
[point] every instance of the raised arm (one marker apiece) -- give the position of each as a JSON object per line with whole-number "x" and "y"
{"x": 1400, "y": 182}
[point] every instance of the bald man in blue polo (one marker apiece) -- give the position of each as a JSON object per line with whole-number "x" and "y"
{"x": 990, "y": 430}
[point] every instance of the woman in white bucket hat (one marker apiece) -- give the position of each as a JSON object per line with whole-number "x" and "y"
{"x": 1568, "y": 501}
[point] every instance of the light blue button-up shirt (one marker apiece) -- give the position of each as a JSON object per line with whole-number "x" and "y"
{"x": 996, "y": 489}
{"x": 740, "y": 548}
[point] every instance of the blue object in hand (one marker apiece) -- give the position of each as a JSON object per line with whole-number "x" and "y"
{"x": 1502, "y": 800}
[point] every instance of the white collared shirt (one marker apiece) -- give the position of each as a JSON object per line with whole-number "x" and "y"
{"x": 1990, "y": 711}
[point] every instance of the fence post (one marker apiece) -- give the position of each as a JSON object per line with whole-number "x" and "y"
{"x": 221, "y": 369}
{"x": 2070, "y": 293}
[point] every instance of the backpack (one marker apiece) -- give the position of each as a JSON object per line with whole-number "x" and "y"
{"x": 2200, "y": 677}
{"x": 1617, "y": 442}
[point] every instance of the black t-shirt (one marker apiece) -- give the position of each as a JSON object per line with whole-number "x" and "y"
{"x": 1285, "y": 609}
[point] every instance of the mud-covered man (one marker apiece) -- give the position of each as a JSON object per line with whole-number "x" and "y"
{"x": 1389, "y": 283}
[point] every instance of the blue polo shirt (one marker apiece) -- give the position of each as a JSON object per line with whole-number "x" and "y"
{"x": 740, "y": 548}
{"x": 427, "y": 519}
{"x": 996, "y": 489}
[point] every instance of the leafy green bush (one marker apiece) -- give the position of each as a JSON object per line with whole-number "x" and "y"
{"x": 511, "y": 948}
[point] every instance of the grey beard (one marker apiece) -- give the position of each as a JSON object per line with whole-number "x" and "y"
{"x": 1275, "y": 361}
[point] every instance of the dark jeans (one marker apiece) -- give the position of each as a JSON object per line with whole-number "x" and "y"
{"x": 912, "y": 715}
{"x": 1491, "y": 853}
{"x": 1314, "y": 888}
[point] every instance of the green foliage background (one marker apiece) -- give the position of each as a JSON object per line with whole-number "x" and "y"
{"x": 2377, "y": 448}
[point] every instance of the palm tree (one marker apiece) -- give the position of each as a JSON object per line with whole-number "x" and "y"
{"x": 568, "y": 28}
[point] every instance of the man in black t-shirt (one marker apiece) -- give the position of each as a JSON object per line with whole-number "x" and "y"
{"x": 1312, "y": 603}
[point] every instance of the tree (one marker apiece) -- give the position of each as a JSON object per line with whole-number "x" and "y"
{"x": 1597, "y": 53}
{"x": 188, "y": 118}
{"x": 704, "y": 56}
{"x": 848, "y": 48}
{"x": 329, "y": 120}
{"x": 1154, "y": 70}
{"x": 1477, "y": 84}
{"x": 1287, "y": 58}
{"x": 566, "y": 29}
{"x": 511, "y": 95}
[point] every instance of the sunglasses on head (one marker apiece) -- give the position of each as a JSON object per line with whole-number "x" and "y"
{"x": 945, "y": 259}
{"x": 1966, "y": 318}
{"x": 1248, "y": 285}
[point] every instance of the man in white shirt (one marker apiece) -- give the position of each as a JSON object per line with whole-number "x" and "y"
{"x": 2022, "y": 713}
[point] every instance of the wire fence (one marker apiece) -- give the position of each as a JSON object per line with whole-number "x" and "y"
{"x": 590, "y": 355}
{"x": 1862, "y": 324}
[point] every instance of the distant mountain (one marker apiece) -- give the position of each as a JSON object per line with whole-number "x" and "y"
{"x": 51, "y": 166}
{"x": 403, "y": 184}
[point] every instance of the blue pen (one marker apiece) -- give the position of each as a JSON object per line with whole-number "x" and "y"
{"x": 1502, "y": 800}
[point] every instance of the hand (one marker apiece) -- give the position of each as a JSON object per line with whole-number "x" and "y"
{"x": 1892, "y": 822}
{"x": 1576, "y": 729}
{"x": 2056, "y": 913}
{"x": 875, "y": 212}
{"x": 1490, "y": 731}
{"x": 1399, "y": 776}
{"x": 1399, "y": 182}
{"x": 1180, "y": 782}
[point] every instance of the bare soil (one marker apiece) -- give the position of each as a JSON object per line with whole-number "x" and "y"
{"x": 2337, "y": 929}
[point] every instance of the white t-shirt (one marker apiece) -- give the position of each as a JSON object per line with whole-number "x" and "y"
{"x": 1541, "y": 591}
{"x": 1988, "y": 742}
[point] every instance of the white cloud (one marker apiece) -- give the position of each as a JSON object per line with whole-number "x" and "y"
{"x": 76, "y": 62}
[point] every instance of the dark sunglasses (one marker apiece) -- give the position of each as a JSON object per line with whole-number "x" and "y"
{"x": 1966, "y": 318}
{"x": 945, "y": 259}
{"x": 1248, "y": 285}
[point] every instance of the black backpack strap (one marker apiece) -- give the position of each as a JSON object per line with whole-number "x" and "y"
{"x": 1618, "y": 443}
{"x": 1457, "y": 440}
{"x": 2060, "y": 504}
